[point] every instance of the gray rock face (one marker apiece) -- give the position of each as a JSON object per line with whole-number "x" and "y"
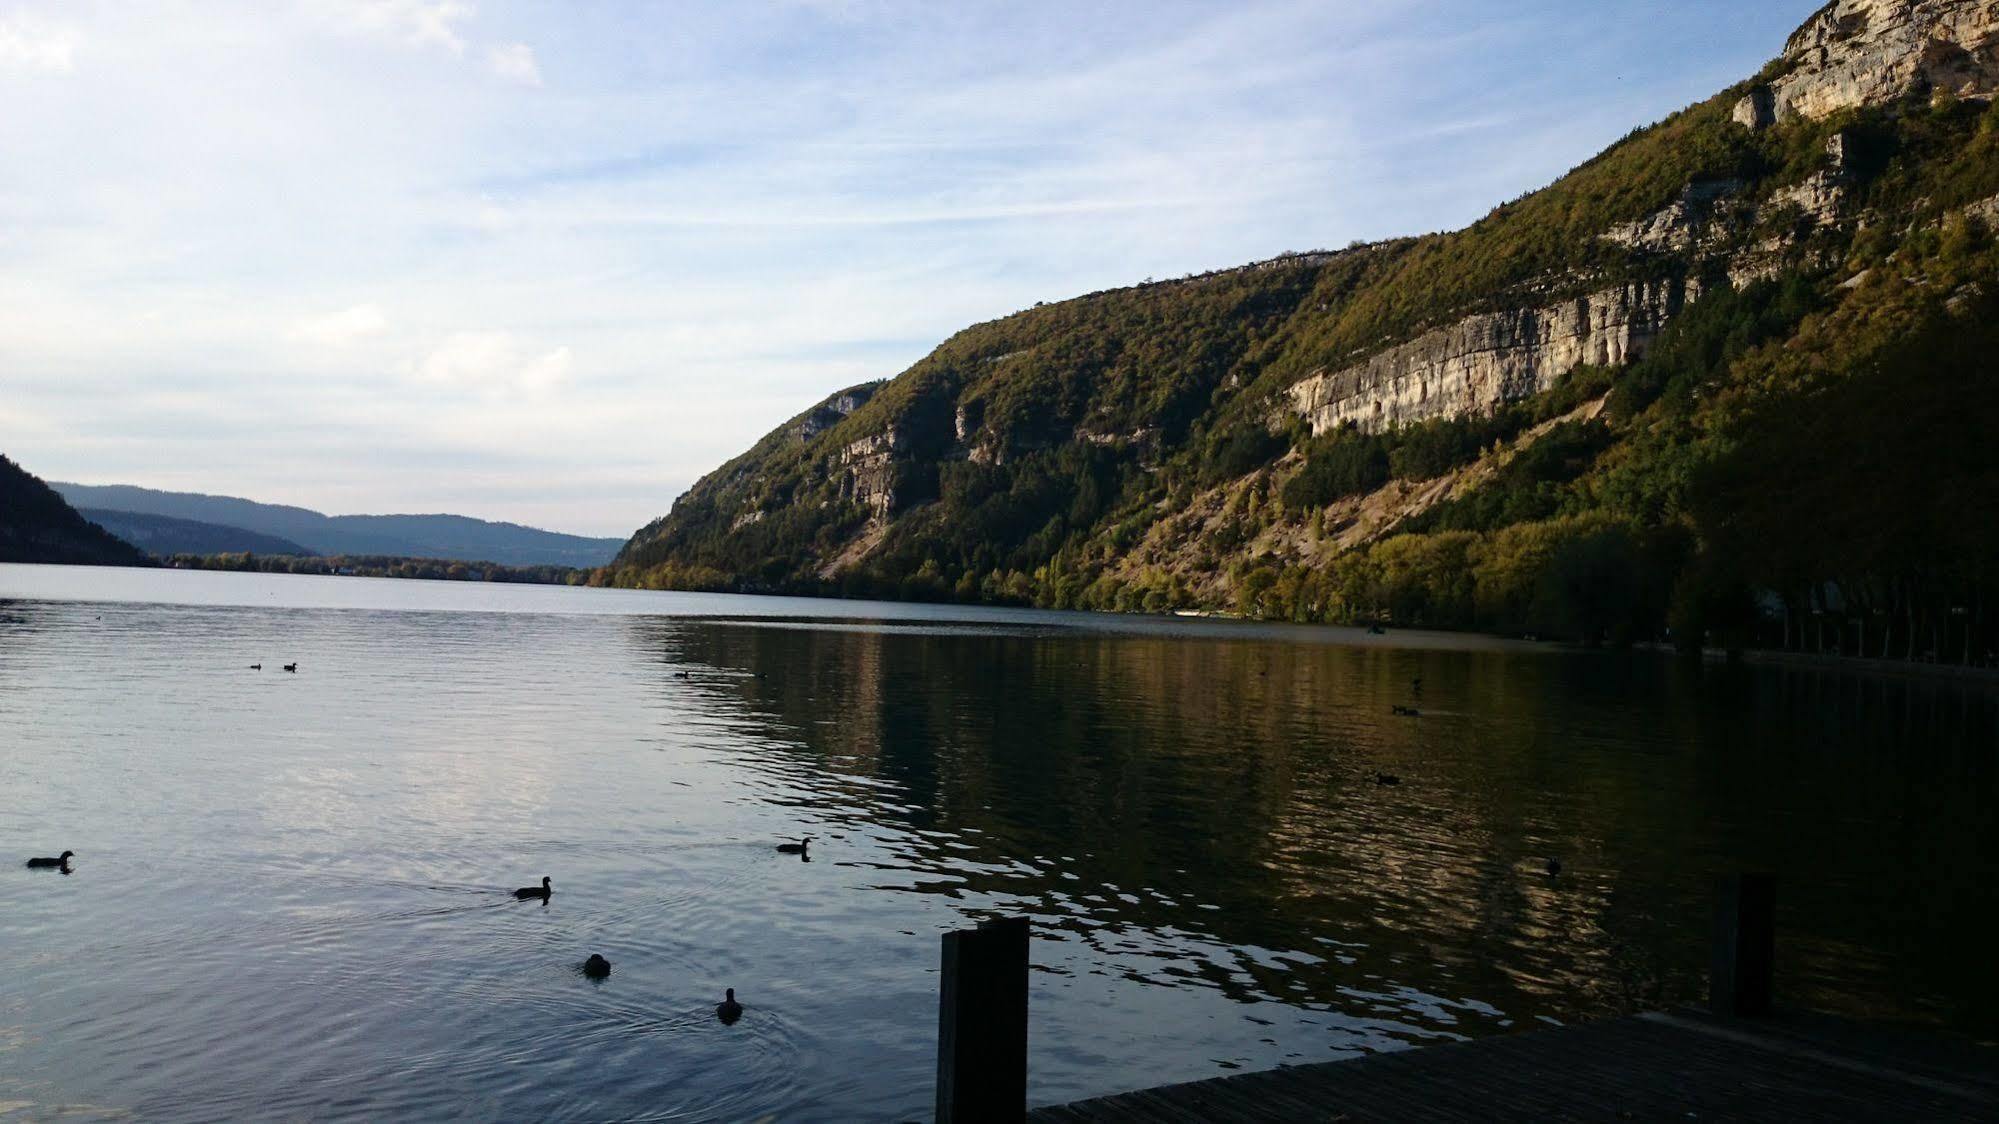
{"x": 1866, "y": 52}
{"x": 827, "y": 414}
{"x": 1484, "y": 361}
{"x": 869, "y": 472}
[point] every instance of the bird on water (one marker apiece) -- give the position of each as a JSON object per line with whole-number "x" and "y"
{"x": 1387, "y": 778}
{"x": 45, "y": 861}
{"x": 728, "y": 1010}
{"x": 1554, "y": 867}
{"x": 542, "y": 891}
{"x": 596, "y": 967}
{"x": 797, "y": 848}
{"x": 291, "y": 667}
{"x": 256, "y": 667}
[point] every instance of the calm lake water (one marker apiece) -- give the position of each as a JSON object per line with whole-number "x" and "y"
{"x": 291, "y": 891}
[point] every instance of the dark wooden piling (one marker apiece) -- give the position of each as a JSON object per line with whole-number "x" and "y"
{"x": 982, "y": 1025}
{"x": 1743, "y": 970}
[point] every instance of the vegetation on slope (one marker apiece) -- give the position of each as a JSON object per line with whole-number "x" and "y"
{"x": 1129, "y": 450}
{"x": 164, "y": 536}
{"x": 37, "y": 526}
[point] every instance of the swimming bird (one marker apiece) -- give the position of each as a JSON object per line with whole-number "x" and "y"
{"x": 1387, "y": 778}
{"x": 682, "y": 675}
{"x": 542, "y": 891}
{"x": 1416, "y": 684}
{"x": 1405, "y": 711}
{"x": 291, "y": 667}
{"x": 256, "y": 667}
{"x": 1554, "y": 867}
{"x": 797, "y": 848}
{"x": 596, "y": 967}
{"x": 728, "y": 1010}
{"x": 44, "y": 861}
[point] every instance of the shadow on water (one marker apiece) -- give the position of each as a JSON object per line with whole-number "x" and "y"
{"x": 1206, "y": 813}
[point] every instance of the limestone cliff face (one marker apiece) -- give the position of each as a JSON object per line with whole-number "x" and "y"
{"x": 1483, "y": 361}
{"x": 868, "y": 472}
{"x": 1867, "y": 52}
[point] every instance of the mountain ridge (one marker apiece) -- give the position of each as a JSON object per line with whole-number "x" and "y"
{"x": 1198, "y": 443}
{"x": 164, "y": 536}
{"x": 446, "y": 536}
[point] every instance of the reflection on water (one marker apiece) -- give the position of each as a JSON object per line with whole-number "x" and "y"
{"x": 293, "y": 894}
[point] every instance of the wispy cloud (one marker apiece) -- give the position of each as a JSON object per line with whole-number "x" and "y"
{"x": 339, "y": 329}
{"x": 415, "y": 23}
{"x": 30, "y": 43}
{"x": 514, "y": 62}
{"x": 492, "y": 361}
{"x": 330, "y": 252}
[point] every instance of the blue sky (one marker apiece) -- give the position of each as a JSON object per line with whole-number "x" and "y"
{"x": 550, "y": 262}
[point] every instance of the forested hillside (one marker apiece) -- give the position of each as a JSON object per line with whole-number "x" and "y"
{"x": 37, "y": 526}
{"x": 1732, "y": 377}
{"x": 456, "y": 537}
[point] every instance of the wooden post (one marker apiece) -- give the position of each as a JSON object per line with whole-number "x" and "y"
{"x": 1745, "y": 945}
{"x": 982, "y": 1024}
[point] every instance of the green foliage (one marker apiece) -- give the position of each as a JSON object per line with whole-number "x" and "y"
{"x": 1124, "y": 450}
{"x": 1340, "y": 464}
{"x": 1245, "y": 449}
{"x": 380, "y": 566}
{"x": 1699, "y": 344}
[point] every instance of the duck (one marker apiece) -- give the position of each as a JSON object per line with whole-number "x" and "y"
{"x": 1554, "y": 867}
{"x": 542, "y": 891}
{"x": 1416, "y": 685}
{"x": 1387, "y": 778}
{"x": 682, "y": 675}
{"x": 44, "y": 861}
{"x": 728, "y": 1010}
{"x": 797, "y": 848}
{"x": 1405, "y": 711}
{"x": 596, "y": 967}
{"x": 256, "y": 667}
{"x": 291, "y": 667}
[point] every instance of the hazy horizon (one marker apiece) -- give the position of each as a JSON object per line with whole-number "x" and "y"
{"x": 549, "y": 268}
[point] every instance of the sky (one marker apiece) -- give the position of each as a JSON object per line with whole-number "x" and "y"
{"x": 550, "y": 263}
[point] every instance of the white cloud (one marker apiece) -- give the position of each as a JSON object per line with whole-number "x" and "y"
{"x": 338, "y": 329}
{"x": 492, "y": 361}
{"x": 514, "y": 62}
{"x": 30, "y": 43}
{"x": 731, "y": 209}
{"x": 418, "y": 23}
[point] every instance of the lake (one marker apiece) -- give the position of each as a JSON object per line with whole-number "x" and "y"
{"x": 291, "y": 892}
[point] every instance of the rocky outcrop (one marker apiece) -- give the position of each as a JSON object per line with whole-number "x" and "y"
{"x": 827, "y": 414}
{"x": 1483, "y": 361}
{"x": 1682, "y": 224}
{"x": 868, "y": 472}
{"x": 1869, "y": 52}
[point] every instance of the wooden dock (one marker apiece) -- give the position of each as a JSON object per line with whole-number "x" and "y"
{"x": 1681, "y": 1066}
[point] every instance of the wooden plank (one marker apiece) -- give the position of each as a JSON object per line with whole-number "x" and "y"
{"x": 1717, "y": 1069}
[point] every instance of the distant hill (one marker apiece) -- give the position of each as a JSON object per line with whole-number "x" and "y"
{"x": 410, "y": 536}
{"x": 165, "y": 536}
{"x": 37, "y": 526}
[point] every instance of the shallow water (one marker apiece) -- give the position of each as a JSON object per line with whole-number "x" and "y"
{"x": 291, "y": 891}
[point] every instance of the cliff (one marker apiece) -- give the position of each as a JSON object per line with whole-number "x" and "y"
{"x": 1571, "y": 380}
{"x": 1855, "y": 53}
{"x": 1483, "y": 362}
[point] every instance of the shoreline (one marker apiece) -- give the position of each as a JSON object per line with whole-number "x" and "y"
{"x": 1853, "y": 665}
